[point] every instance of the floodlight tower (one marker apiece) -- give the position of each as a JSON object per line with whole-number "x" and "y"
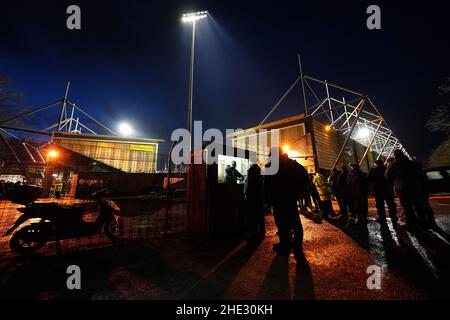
{"x": 192, "y": 17}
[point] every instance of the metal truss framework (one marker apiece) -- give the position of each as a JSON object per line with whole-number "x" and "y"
{"x": 346, "y": 111}
{"x": 65, "y": 123}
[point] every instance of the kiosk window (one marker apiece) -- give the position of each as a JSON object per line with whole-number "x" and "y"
{"x": 228, "y": 173}
{"x": 434, "y": 175}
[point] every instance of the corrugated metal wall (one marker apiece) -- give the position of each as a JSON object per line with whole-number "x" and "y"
{"x": 327, "y": 145}
{"x": 311, "y": 144}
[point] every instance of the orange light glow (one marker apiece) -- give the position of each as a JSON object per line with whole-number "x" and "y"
{"x": 286, "y": 148}
{"x": 53, "y": 153}
{"x": 327, "y": 128}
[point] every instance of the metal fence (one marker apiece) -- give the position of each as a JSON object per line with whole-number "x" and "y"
{"x": 142, "y": 218}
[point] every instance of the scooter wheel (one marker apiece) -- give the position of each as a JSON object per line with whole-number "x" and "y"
{"x": 113, "y": 229}
{"x": 27, "y": 240}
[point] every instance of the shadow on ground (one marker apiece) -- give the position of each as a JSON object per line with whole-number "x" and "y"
{"x": 175, "y": 268}
{"x": 420, "y": 256}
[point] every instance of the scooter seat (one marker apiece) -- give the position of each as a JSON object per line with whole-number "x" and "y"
{"x": 70, "y": 213}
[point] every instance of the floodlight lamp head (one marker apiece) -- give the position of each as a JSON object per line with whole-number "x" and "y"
{"x": 363, "y": 133}
{"x": 194, "y": 16}
{"x": 125, "y": 129}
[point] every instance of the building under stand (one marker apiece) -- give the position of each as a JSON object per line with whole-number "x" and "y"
{"x": 127, "y": 154}
{"x": 68, "y": 156}
{"x": 86, "y": 158}
{"x": 305, "y": 139}
{"x": 340, "y": 126}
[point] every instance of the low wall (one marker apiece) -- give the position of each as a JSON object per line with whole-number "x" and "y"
{"x": 119, "y": 183}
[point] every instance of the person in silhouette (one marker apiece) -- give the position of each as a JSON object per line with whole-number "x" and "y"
{"x": 253, "y": 192}
{"x": 384, "y": 192}
{"x": 343, "y": 193}
{"x": 232, "y": 174}
{"x": 429, "y": 219}
{"x": 357, "y": 181}
{"x": 405, "y": 176}
{"x": 284, "y": 189}
{"x": 332, "y": 181}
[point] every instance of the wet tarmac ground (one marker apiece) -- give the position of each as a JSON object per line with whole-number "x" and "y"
{"x": 414, "y": 264}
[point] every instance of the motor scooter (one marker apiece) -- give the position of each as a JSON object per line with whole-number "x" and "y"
{"x": 57, "y": 222}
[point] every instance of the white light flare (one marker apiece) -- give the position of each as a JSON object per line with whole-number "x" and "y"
{"x": 363, "y": 133}
{"x": 125, "y": 129}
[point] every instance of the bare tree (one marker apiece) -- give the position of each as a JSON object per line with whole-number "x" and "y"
{"x": 10, "y": 99}
{"x": 439, "y": 122}
{"x": 440, "y": 117}
{"x": 10, "y": 105}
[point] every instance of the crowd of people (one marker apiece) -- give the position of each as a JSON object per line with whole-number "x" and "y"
{"x": 7, "y": 185}
{"x": 292, "y": 188}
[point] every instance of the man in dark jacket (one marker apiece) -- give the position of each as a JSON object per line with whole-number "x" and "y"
{"x": 283, "y": 189}
{"x": 343, "y": 192}
{"x": 232, "y": 175}
{"x": 430, "y": 221}
{"x": 357, "y": 181}
{"x": 405, "y": 177}
{"x": 384, "y": 192}
{"x": 253, "y": 196}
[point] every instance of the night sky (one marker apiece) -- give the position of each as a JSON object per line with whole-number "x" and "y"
{"x": 130, "y": 61}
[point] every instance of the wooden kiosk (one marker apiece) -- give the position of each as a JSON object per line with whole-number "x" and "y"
{"x": 213, "y": 206}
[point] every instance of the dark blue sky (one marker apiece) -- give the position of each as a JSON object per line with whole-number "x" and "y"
{"x": 130, "y": 61}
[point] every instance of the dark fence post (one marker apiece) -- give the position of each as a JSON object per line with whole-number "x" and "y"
{"x": 169, "y": 165}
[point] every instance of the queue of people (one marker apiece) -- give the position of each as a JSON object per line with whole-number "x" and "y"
{"x": 409, "y": 182}
{"x": 292, "y": 187}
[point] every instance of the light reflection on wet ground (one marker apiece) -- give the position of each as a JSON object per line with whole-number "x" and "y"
{"x": 415, "y": 264}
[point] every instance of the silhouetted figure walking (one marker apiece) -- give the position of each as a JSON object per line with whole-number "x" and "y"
{"x": 343, "y": 195}
{"x": 357, "y": 181}
{"x": 406, "y": 178}
{"x": 384, "y": 192}
{"x": 284, "y": 189}
{"x": 428, "y": 210}
{"x": 253, "y": 191}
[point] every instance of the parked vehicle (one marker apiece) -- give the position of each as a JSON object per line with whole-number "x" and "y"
{"x": 438, "y": 179}
{"x": 57, "y": 222}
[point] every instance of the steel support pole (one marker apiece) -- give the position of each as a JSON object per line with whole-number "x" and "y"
{"x": 346, "y": 113}
{"x": 25, "y": 130}
{"x": 169, "y": 165}
{"x": 90, "y": 117}
{"x": 31, "y": 112}
{"x": 71, "y": 119}
{"x": 384, "y": 145}
{"x": 359, "y": 106}
{"x": 329, "y": 101}
{"x": 28, "y": 152}
{"x": 392, "y": 150}
{"x": 370, "y": 143}
{"x": 281, "y": 100}
{"x": 63, "y": 107}
{"x": 191, "y": 82}
{"x": 335, "y": 86}
{"x": 303, "y": 84}
{"x": 76, "y": 125}
{"x": 354, "y": 111}
{"x": 8, "y": 145}
{"x": 40, "y": 156}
